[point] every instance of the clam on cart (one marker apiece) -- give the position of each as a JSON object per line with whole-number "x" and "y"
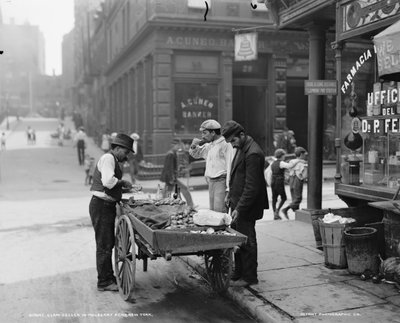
{"x": 135, "y": 240}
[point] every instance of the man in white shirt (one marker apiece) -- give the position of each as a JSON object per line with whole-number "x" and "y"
{"x": 218, "y": 155}
{"x": 80, "y": 143}
{"x": 107, "y": 187}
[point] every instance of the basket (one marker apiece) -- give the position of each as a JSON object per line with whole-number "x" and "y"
{"x": 362, "y": 215}
{"x": 333, "y": 244}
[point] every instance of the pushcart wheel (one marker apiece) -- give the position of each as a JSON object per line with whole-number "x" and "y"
{"x": 219, "y": 268}
{"x": 125, "y": 257}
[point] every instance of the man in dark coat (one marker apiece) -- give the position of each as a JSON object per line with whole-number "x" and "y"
{"x": 247, "y": 199}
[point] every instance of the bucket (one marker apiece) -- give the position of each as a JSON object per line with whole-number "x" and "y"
{"x": 333, "y": 244}
{"x": 361, "y": 249}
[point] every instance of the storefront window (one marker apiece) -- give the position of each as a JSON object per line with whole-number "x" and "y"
{"x": 194, "y": 103}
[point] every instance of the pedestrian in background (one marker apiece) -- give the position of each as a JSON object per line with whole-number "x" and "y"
{"x": 285, "y": 141}
{"x": 247, "y": 199}
{"x": 61, "y": 134}
{"x": 29, "y": 135}
{"x": 33, "y": 135}
{"x": 107, "y": 189}
{"x": 218, "y": 155}
{"x": 136, "y": 158}
{"x": 80, "y": 144}
{"x": 169, "y": 174}
{"x": 86, "y": 167}
{"x": 297, "y": 176}
{"x": 3, "y": 141}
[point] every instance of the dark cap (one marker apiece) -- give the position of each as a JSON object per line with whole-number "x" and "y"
{"x": 124, "y": 141}
{"x": 299, "y": 150}
{"x": 230, "y": 129}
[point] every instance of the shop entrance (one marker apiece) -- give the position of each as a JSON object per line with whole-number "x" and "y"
{"x": 250, "y": 109}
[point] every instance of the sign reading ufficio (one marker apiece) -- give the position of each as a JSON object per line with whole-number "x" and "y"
{"x": 320, "y": 87}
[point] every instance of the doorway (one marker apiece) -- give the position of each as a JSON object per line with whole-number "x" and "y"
{"x": 249, "y": 109}
{"x": 297, "y": 111}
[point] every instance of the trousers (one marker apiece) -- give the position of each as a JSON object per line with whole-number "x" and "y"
{"x": 246, "y": 256}
{"x": 102, "y": 214}
{"x": 217, "y": 192}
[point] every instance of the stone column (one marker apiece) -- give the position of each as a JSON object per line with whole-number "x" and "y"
{"x": 315, "y": 117}
{"x": 163, "y": 111}
{"x": 338, "y": 47}
{"x": 147, "y": 139}
{"x": 225, "y": 108}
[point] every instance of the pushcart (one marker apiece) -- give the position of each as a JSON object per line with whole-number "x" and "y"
{"x": 134, "y": 240}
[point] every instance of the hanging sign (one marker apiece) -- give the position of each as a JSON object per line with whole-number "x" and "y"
{"x": 320, "y": 87}
{"x": 246, "y": 47}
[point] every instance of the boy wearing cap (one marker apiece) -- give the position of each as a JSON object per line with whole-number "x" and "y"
{"x": 218, "y": 155}
{"x": 247, "y": 198}
{"x": 297, "y": 175}
{"x": 107, "y": 189}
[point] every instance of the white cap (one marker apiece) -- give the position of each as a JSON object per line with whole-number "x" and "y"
{"x": 135, "y": 136}
{"x": 210, "y": 124}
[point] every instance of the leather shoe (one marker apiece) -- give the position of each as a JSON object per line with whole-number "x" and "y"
{"x": 110, "y": 288}
{"x": 242, "y": 283}
{"x": 276, "y": 216}
{"x": 235, "y": 276}
{"x": 285, "y": 211}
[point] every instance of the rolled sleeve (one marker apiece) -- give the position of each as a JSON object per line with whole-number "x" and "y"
{"x": 106, "y": 167}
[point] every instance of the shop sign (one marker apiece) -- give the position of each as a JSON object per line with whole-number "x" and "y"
{"x": 354, "y": 69}
{"x": 385, "y": 111}
{"x": 359, "y": 13}
{"x": 246, "y": 47}
{"x": 387, "y": 44}
{"x": 320, "y": 87}
{"x": 268, "y": 45}
{"x": 195, "y": 102}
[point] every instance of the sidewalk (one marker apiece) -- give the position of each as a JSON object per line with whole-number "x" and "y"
{"x": 295, "y": 286}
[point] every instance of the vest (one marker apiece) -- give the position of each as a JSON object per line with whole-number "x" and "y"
{"x": 277, "y": 172}
{"x": 97, "y": 185}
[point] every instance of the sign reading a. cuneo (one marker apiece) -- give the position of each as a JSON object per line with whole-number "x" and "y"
{"x": 320, "y": 87}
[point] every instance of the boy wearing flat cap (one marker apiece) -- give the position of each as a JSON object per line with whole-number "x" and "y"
{"x": 218, "y": 155}
{"x": 247, "y": 199}
{"x": 107, "y": 189}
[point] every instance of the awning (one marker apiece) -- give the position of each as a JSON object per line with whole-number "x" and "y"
{"x": 387, "y": 44}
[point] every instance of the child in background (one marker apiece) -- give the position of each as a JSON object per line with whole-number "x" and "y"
{"x": 86, "y": 167}
{"x": 3, "y": 141}
{"x": 92, "y": 167}
{"x": 278, "y": 168}
{"x": 298, "y": 174}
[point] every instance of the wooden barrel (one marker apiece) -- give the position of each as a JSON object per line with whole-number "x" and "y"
{"x": 391, "y": 224}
